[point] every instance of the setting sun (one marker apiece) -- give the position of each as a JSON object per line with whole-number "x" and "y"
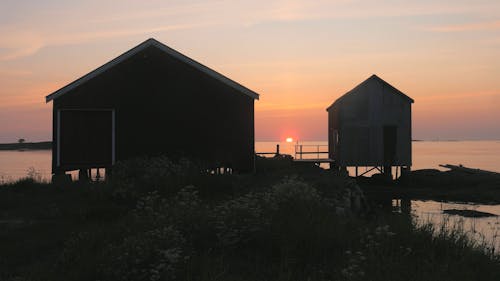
{"x": 289, "y": 139}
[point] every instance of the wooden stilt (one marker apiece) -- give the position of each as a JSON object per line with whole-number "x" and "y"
{"x": 107, "y": 173}
{"x": 387, "y": 171}
{"x": 83, "y": 175}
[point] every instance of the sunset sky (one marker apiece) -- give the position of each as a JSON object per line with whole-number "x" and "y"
{"x": 298, "y": 55}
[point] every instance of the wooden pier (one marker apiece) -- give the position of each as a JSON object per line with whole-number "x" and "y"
{"x": 276, "y": 153}
{"x": 317, "y": 154}
{"x": 316, "y": 161}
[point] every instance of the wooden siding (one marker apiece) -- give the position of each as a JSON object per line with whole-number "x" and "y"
{"x": 359, "y": 118}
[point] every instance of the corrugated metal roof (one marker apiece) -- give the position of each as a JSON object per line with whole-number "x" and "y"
{"x": 167, "y": 50}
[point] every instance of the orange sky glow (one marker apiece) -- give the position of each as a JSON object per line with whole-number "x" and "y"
{"x": 298, "y": 55}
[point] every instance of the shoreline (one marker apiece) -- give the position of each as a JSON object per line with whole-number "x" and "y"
{"x": 455, "y": 185}
{"x": 43, "y": 145}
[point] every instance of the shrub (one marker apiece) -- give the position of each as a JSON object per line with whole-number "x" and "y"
{"x": 241, "y": 220}
{"x": 150, "y": 255}
{"x": 137, "y": 176}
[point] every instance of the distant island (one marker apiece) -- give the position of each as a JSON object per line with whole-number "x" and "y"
{"x": 26, "y": 145}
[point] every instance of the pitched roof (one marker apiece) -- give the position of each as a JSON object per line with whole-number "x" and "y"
{"x": 167, "y": 50}
{"x": 378, "y": 79}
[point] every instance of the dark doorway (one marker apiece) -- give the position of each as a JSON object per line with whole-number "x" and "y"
{"x": 390, "y": 142}
{"x": 86, "y": 138}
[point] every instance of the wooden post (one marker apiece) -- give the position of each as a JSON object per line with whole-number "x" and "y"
{"x": 83, "y": 175}
{"x": 387, "y": 171}
{"x": 107, "y": 173}
{"x": 356, "y": 171}
{"x": 277, "y": 149}
{"x": 405, "y": 206}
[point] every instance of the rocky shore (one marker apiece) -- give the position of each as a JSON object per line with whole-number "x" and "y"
{"x": 457, "y": 184}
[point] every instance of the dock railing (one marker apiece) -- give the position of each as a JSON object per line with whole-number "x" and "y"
{"x": 311, "y": 149}
{"x": 276, "y": 153}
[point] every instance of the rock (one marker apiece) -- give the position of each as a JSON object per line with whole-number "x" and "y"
{"x": 468, "y": 213}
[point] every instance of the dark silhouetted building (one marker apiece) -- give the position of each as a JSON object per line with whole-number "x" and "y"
{"x": 370, "y": 126}
{"x": 149, "y": 101}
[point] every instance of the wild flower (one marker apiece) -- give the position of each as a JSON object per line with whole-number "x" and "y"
{"x": 34, "y": 174}
{"x": 240, "y": 219}
{"x": 188, "y": 197}
{"x": 292, "y": 189}
{"x": 354, "y": 268}
{"x": 151, "y": 205}
{"x": 151, "y": 255}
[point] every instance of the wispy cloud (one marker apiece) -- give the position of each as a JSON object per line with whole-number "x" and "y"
{"x": 16, "y": 43}
{"x": 19, "y": 52}
{"x": 476, "y": 26}
{"x": 26, "y": 38}
{"x": 14, "y": 73}
{"x": 89, "y": 36}
{"x": 289, "y": 11}
{"x": 25, "y": 44}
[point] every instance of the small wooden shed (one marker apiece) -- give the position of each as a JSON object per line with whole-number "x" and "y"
{"x": 149, "y": 101}
{"x": 370, "y": 126}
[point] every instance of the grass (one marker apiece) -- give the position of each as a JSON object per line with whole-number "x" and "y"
{"x": 166, "y": 222}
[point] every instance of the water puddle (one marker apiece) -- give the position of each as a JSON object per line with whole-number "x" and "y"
{"x": 481, "y": 222}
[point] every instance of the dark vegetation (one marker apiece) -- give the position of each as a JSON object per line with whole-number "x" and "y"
{"x": 158, "y": 220}
{"x": 22, "y": 145}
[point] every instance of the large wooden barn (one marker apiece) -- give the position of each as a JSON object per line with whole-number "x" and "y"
{"x": 152, "y": 100}
{"x": 370, "y": 126}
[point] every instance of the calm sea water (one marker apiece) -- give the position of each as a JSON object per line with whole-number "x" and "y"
{"x": 426, "y": 154}
{"x": 18, "y": 164}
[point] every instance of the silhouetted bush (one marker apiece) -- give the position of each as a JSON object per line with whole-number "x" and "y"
{"x": 136, "y": 176}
